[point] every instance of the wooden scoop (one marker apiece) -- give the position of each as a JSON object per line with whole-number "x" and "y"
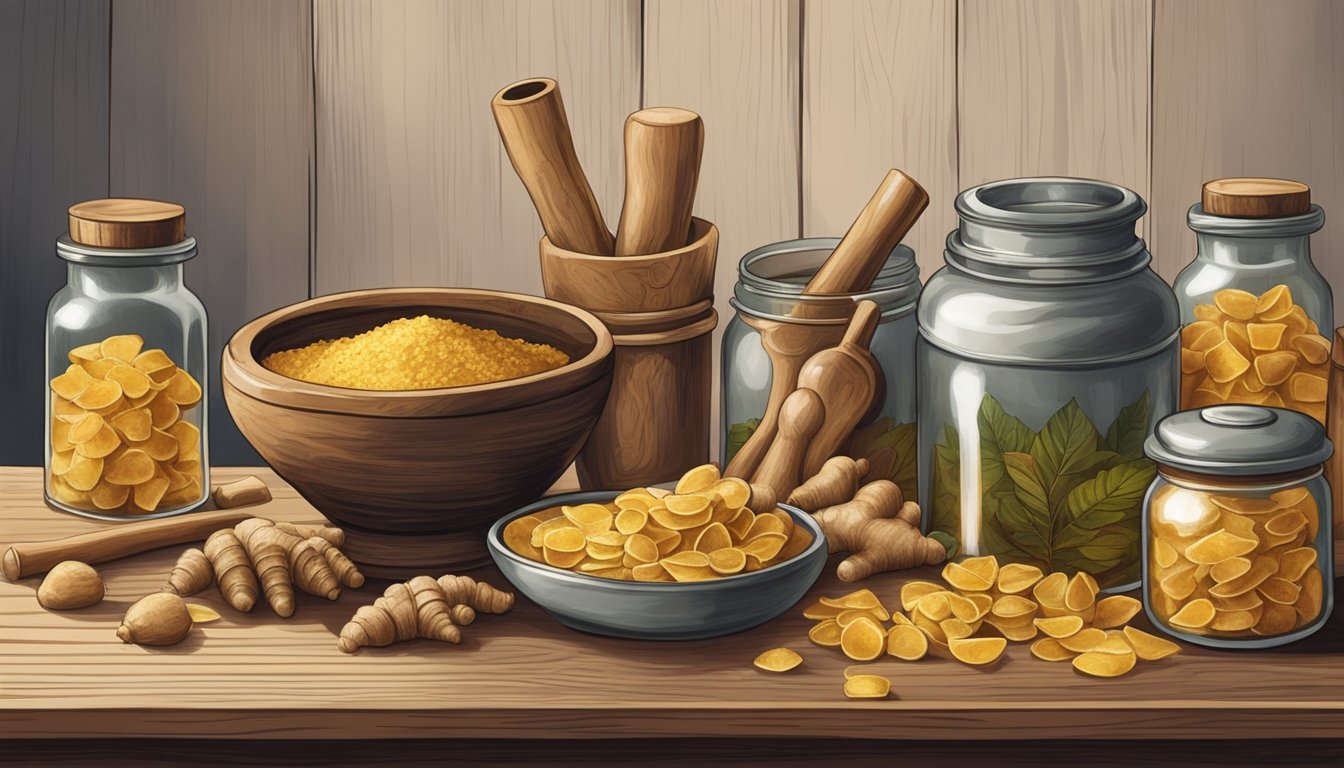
{"x": 800, "y": 418}
{"x": 663, "y": 146}
{"x": 535, "y": 131}
{"x": 852, "y": 266}
{"x": 845, "y": 379}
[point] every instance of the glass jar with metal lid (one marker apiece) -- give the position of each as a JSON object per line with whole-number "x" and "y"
{"x": 126, "y": 363}
{"x": 1253, "y": 304}
{"x": 1047, "y": 350}
{"x": 1238, "y": 548}
{"x": 769, "y": 297}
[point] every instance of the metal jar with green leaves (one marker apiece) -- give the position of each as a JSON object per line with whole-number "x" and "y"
{"x": 1048, "y": 349}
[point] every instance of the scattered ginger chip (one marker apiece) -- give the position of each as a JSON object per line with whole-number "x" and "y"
{"x": 1236, "y": 303}
{"x": 863, "y": 640}
{"x": 1101, "y": 664}
{"x": 778, "y": 660}
{"x": 1060, "y": 626}
{"x": 1194, "y": 614}
{"x": 867, "y": 687}
{"x": 907, "y": 643}
{"x": 1049, "y": 649}
{"x": 123, "y": 348}
{"x": 825, "y": 633}
{"x": 977, "y": 651}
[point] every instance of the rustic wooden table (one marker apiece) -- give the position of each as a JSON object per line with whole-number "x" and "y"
{"x": 68, "y": 687}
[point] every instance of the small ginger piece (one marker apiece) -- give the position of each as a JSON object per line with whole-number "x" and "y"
{"x": 334, "y": 536}
{"x": 266, "y": 548}
{"x": 422, "y": 608}
{"x": 190, "y": 574}
{"x": 879, "y": 532}
{"x": 241, "y": 493}
{"x": 158, "y": 619}
{"x": 836, "y": 482}
{"x": 346, "y": 572}
{"x": 233, "y": 569}
{"x": 68, "y": 585}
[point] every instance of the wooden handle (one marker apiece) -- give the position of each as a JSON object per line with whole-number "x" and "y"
{"x": 535, "y": 131}
{"x": 799, "y": 419}
{"x": 845, "y": 379}
{"x": 663, "y": 146}
{"x": 889, "y": 215}
{"x": 27, "y": 559}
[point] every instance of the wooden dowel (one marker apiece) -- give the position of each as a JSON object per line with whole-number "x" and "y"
{"x": 663, "y": 146}
{"x": 532, "y": 124}
{"x": 119, "y": 540}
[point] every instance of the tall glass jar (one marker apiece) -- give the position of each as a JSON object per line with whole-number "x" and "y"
{"x": 769, "y": 294}
{"x": 126, "y": 362}
{"x": 1252, "y": 302}
{"x": 1238, "y": 550}
{"x": 1047, "y": 351}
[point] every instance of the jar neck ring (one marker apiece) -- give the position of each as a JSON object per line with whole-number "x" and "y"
{"x": 1211, "y": 482}
{"x": 1226, "y": 226}
{"x": 89, "y": 255}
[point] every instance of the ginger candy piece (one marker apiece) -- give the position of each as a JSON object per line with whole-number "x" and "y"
{"x": 867, "y": 687}
{"x": 778, "y": 660}
{"x": 863, "y": 639}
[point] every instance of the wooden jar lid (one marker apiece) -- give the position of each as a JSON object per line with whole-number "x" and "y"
{"x": 1251, "y": 198}
{"x": 125, "y": 222}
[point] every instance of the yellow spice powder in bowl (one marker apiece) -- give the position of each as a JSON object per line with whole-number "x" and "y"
{"x": 415, "y": 353}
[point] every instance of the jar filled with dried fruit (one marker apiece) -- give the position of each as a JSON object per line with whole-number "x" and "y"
{"x": 1252, "y": 303}
{"x": 1047, "y": 350}
{"x": 773, "y": 312}
{"x": 126, "y": 363}
{"x": 1238, "y": 547}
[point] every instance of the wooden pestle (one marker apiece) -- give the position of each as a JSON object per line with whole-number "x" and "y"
{"x": 852, "y": 266}
{"x": 663, "y": 146}
{"x": 532, "y": 124}
{"x": 799, "y": 419}
{"x": 844, "y": 379}
{"x": 30, "y": 558}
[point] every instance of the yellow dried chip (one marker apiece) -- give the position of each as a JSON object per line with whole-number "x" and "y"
{"x": 1279, "y": 590}
{"x": 967, "y": 609}
{"x": 160, "y": 445}
{"x": 1274, "y": 303}
{"x": 163, "y": 412}
{"x": 1049, "y": 649}
{"x": 182, "y": 389}
{"x": 61, "y": 461}
{"x": 1219, "y": 546}
{"x": 1084, "y": 640}
{"x": 1229, "y": 569}
{"x": 1060, "y": 626}
{"x": 714, "y": 537}
{"x": 764, "y": 546}
{"x": 103, "y": 443}
{"x": 631, "y": 520}
{"x": 1314, "y": 349}
{"x": 688, "y": 566}
{"x": 913, "y": 591}
{"x": 1265, "y": 336}
{"x": 154, "y": 361}
{"x": 85, "y": 429}
{"x": 934, "y": 606}
{"x": 1308, "y": 605}
{"x": 123, "y": 348}
{"x": 73, "y": 383}
{"x": 1236, "y": 303}
{"x": 777, "y": 659}
{"x": 99, "y": 395}
{"x": 825, "y": 633}
{"x": 1099, "y": 664}
{"x": 965, "y": 579}
{"x": 188, "y": 439}
{"x": 698, "y": 479}
{"x": 133, "y": 381}
{"x": 1194, "y": 615}
{"x": 517, "y": 534}
{"x": 135, "y": 424}
{"x": 1016, "y": 630}
{"x": 863, "y": 639}
{"x": 1165, "y": 554}
{"x": 907, "y": 643}
{"x": 85, "y": 354}
{"x": 692, "y": 505}
{"x": 149, "y": 493}
{"x": 867, "y": 687}
{"x": 107, "y": 496}
{"x": 1013, "y": 607}
{"x": 1225, "y": 363}
{"x": 1274, "y": 368}
{"x": 977, "y": 651}
{"x": 734, "y": 491}
{"x": 986, "y": 567}
{"x": 1049, "y": 591}
{"x": 1304, "y": 388}
{"x": 1081, "y": 592}
{"x": 588, "y": 518}
{"x": 84, "y": 473}
{"x": 727, "y": 561}
{"x": 1276, "y": 620}
{"x": 1294, "y": 563}
{"x": 1016, "y": 578}
{"x": 1234, "y": 621}
{"x": 650, "y": 572}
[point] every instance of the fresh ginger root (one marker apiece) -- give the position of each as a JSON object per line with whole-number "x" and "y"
{"x": 422, "y": 607}
{"x": 835, "y": 483}
{"x": 879, "y": 532}
{"x": 258, "y": 555}
{"x": 191, "y": 574}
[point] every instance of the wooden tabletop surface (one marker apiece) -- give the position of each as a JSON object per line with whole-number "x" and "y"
{"x": 523, "y": 676}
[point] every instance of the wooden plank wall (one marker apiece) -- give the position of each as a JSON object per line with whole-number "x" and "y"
{"x": 322, "y": 146}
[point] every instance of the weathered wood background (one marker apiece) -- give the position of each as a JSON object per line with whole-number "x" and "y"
{"x": 324, "y": 145}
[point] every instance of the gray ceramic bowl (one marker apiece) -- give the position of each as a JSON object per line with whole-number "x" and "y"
{"x": 659, "y": 610}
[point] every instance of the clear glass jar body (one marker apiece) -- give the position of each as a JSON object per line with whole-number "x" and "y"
{"x": 1048, "y": 351}
{"x": 111, "y": 293}
{"x": 1255, "y": 256}
{"x": 769, "y": 293}
{"x": 1238, "y": 562}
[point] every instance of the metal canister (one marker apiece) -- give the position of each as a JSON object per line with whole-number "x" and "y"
{"x": 1048, "y": 350}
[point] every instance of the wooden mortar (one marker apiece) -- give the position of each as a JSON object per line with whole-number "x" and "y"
{"x": 659, "y": 310}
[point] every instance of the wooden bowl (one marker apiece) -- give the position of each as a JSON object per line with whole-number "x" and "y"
{"x": 422, "y": 472}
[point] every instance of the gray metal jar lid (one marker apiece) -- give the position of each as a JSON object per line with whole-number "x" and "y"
{"x": 1239, "y": 440}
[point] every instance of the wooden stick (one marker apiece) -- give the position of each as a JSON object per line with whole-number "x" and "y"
{"x": 532, "y": 124}
{"x": 843, "y": 377}
{"x": 117, "y": 541}
{"x": 890, "y": 213}
{"x": 663, "y": 146}
{"x": 800, "y": 418}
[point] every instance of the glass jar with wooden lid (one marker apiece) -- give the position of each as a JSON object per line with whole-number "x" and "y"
{"x": 126, "y": 366}
{"x": 1255, "y": 311}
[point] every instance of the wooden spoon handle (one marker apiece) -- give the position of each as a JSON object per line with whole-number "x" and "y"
{"x": 799, "y": 419}
{"x": 663, "y": 146}
{"x": 532, "y": 124}
{"x": 862, "y": 326}
{"x": 888, "y": 216}
{"x": 120, "y": 540}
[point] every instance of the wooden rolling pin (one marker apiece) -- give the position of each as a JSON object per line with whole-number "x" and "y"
{"x": 884, "y": 221}
{"x": 663, "y": 146}
{"x": 532, "y": 124}
{"x": 800, "y": 418}
{"x": 845, "y": 379}
{"x": 123, "y": 540}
